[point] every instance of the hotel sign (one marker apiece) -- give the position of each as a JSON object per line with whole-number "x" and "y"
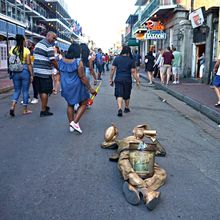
{"x": 155, "y": 35}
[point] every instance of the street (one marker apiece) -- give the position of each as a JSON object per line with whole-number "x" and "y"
{"x": 49, "y": 173}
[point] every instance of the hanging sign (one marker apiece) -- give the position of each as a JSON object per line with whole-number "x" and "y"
{"x": 154, "y": 25}
{"x": 196, "y": 18}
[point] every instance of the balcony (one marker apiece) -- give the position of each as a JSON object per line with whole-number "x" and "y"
{"x": 160, "y": 7}
{"x": 10, "y": 10}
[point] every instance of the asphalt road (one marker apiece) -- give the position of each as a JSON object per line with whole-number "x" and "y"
{"x": 46, "y": 172}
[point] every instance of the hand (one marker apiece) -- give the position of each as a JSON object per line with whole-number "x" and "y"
{"x": 31, "y": 79}
{"x": 111, "y": 83}
{"x": 95, "y": 82}
{"x": 138, "y": 83}
{"x": 92, "y": 91}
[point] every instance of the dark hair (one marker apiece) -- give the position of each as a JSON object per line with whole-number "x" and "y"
{"x": 125, "y": 50}
{"x": 85, "y": 53}
{"x": 19, "y": 45}
{"x": 73, "y": 51}
{"x": 58, "y": 49}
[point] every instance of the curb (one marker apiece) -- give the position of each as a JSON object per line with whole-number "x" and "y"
{"x": 210, "y": 113}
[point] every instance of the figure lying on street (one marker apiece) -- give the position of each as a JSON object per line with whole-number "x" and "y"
{"x": 136, "y": 161}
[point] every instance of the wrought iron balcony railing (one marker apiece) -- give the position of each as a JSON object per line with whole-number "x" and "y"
{"x": 151, "y": 8}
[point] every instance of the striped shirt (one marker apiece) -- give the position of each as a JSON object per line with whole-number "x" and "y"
{"x": 43, "y": 54}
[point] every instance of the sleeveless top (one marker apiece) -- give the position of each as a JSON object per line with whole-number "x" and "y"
{"x": 73, "y": 90}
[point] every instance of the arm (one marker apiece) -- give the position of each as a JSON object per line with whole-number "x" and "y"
{"x": 28, "y": 61}
{"x": 91, "y": 69}
{"x": 112, "y": 75}
{"x": 216, "y": 66}
{"x": 84, "y": 79}
{"x": 54, "y": 63}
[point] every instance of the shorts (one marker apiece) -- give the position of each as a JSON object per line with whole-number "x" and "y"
{"x": 166, "y": 69}
{"x": 123, "y": 89}
{"x": 44, "y": 85}
{"x": 176, "y": 70}
{"x": 216, "y": 81}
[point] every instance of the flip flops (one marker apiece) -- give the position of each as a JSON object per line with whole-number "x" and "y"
{"x": 27, "y": 112}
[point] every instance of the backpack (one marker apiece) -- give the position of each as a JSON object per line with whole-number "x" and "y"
{"x": 15, "y": 64}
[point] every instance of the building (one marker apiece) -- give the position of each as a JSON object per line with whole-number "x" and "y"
{"x": 34, "y": 19}
{"x": 172, "y": 23}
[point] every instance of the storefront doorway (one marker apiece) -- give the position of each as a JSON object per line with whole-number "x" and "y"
{"x": 3, "y": 56}
{"x": 200, "y": 52}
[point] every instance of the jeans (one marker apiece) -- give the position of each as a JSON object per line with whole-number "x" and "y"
{"x": 21, "y": 81}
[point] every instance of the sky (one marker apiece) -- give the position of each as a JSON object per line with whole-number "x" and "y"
{"x": 102, "y": 20}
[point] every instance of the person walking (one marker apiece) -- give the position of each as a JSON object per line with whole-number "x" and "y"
{"x": 216, "y": 81}
{"x": 158, "y": 64}
{"x": 124, "y": 67}
{"x": 99, "y": 63}
{"x": 149, "y": 66}
{"x": 56, "y": 75}
{"x": 21, "y": 79}
{"x": 167, "y": 66}
{"x": 87, "y": 60}
{"x": 176, "y": 66}
{"x": 44, "y": 60}
{"x": 75, "y": 85}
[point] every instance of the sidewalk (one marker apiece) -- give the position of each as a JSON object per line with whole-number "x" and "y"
{"x": 197, "y": 95}
{"x": 5, "y": 83}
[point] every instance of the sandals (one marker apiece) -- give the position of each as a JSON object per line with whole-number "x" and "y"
{"x": 12, "y": 112}
{"x": 27, "y": 112}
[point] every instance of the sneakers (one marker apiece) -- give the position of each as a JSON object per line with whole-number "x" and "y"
{"x": 119, "y": 113}
{"x": 126, "y": 110}
{"x": 29, "y": 100}
{"x": 76, "y": 127}
{"x": 174, "y": 82}
{"x": 71, "y": 129}
{"x": 45, "y": 113}
{"x": 34, "y": 101}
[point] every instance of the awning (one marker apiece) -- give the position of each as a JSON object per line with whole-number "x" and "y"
{"x": 133, "y": 42}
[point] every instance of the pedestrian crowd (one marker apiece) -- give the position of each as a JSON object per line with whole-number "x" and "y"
{"x": 51, "y": 71}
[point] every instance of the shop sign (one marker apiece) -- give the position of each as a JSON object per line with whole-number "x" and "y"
{"x": 155, "y": 35}
{"x": 196, "y": 18}
{"x": 154, "y": 25}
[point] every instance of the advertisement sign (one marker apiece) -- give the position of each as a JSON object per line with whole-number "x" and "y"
{"x": 154, "y": 25}
{"x": 155, "y": 35}
{"x": 196, "y": 18}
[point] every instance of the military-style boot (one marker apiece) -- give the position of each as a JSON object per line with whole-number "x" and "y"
{"x": 131, "y": 194}
{"x": 151, "y": 199}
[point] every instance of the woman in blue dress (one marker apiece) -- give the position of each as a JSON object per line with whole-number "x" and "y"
{"x": 75, "y": 86}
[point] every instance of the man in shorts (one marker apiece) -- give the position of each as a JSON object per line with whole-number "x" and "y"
{"x": 44, "y": 61}
{"x": 167, "y": 65}
{"x": 176, "y": 65}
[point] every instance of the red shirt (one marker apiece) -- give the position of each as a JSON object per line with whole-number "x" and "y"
{"x": 168, "y": 57}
